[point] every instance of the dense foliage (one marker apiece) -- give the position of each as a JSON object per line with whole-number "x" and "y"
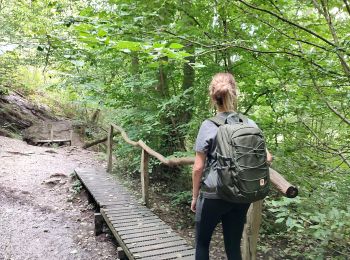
{"x": 148, "y": 64}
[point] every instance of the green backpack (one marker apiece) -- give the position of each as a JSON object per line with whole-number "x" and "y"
{"x": 242, "y": 169}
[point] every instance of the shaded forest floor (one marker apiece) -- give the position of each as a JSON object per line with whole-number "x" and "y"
{"x": 42, "y": 215}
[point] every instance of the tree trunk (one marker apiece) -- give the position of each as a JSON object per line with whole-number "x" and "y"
{"x": 162, "y": 87}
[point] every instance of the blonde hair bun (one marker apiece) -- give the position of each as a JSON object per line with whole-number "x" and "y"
{"x": 222, "y": 91}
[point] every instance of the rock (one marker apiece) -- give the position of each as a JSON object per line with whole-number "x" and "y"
{"x": 50, "y": 151}
{"x": 52, "y": 181}
{"x": 62, "y": 175}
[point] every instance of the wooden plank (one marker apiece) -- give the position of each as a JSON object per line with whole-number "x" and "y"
{"x": 189, "y": 257}
{"x": 102, "y": 182}
{"x": 154, "y": 242}
{"x": 131, "y": 213}
{"x": 147, "y": 234}
{"x": 108, "y": 194}
{"x": 155, "y": 237}
{"x": 130, "y": 204}
{"x": 163, "y": 245}
{"x": 124, "y": 225}
{"x": 184, "y": 254}
{"x": 53, "y": 141}
{"x": 125, "y": 212}
{"x": 112, "y": 194}
{"x": 138, "y": 227}
{"x": 104, "y": 189}
{"x": 126, "y": 208}
{"x": 133, "y": 218}
{"x": 160, "y": 253}
{"x": 112, "y": 200}
{"x": 140, "y": 231}
{"x": 134, "y": 221}
{"x": 122, "y": 203}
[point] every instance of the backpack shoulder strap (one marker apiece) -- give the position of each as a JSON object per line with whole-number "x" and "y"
{"x": 217, "y": 120}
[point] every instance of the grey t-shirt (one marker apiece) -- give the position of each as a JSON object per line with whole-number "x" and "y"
{"x": 206, "y": 143}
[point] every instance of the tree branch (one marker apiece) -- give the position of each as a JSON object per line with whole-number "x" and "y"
{"x": 188, "y": 40}
{"x": 272, "y": 52}
{"x": 323, "y": 9}
{"x": 221, "y": 47}
{"x": 347, "y": 5}
{"x": 275, "y": 6}
{"x": 290, "y": 23}
{"x": 335, "y": 151}
{"x": 290, "y": 37}
{"x": 195, "y": 20}
{"x": 335, "y": 111}
{"x": 254, "y": 101}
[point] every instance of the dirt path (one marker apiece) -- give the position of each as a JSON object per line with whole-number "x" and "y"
{"x": 40, "y": 218}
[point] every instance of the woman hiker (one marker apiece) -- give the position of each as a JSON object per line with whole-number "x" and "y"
{"x": 207, "y": 205}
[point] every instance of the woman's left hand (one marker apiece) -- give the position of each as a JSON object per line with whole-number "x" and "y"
{"x": 193, "y": 204}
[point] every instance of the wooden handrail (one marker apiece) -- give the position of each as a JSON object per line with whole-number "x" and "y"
{"x": 124, "y": 135}
{"x": 276, "y": 179}
{"x": 150, "y": 151}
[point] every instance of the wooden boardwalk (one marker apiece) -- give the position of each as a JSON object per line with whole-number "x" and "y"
{"x": 140, "y": 233}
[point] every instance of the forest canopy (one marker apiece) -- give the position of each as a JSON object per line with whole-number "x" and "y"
{"x": 147, "y": 65}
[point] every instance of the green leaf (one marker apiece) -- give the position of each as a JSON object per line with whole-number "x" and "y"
{"x": 176, "y": 46}
{"x": 101, "y": 33}
{"x": 279, "y": 220}
{"x": 132, "y": 46}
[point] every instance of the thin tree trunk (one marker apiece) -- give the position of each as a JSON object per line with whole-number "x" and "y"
{"x": 162, "y": 86}
{"x": 135, "y": 65}
{"x": 323, "y": 9}
{"x": 347, "y": 5}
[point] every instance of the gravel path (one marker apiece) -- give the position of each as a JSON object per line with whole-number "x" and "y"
{"x": 40, "y": 215}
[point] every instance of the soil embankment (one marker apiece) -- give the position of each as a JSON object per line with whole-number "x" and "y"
{"x": 17, "y": 113}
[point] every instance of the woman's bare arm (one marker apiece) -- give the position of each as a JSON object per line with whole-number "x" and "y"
{"x": 197, "y": 172}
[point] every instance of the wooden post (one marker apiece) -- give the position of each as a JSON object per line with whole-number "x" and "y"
{"x": 251, "y": 231}
{"x": 71, "y": 137}
{"x": 110, "y": 149}
{"x": 144, "y": 176}
{"x": 121, "y": 254}
{"x": 98, "y": 224}
{"x": 51, "y": 133}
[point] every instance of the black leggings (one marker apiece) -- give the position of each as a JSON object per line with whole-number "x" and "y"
{"x": 209, "y": 212}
